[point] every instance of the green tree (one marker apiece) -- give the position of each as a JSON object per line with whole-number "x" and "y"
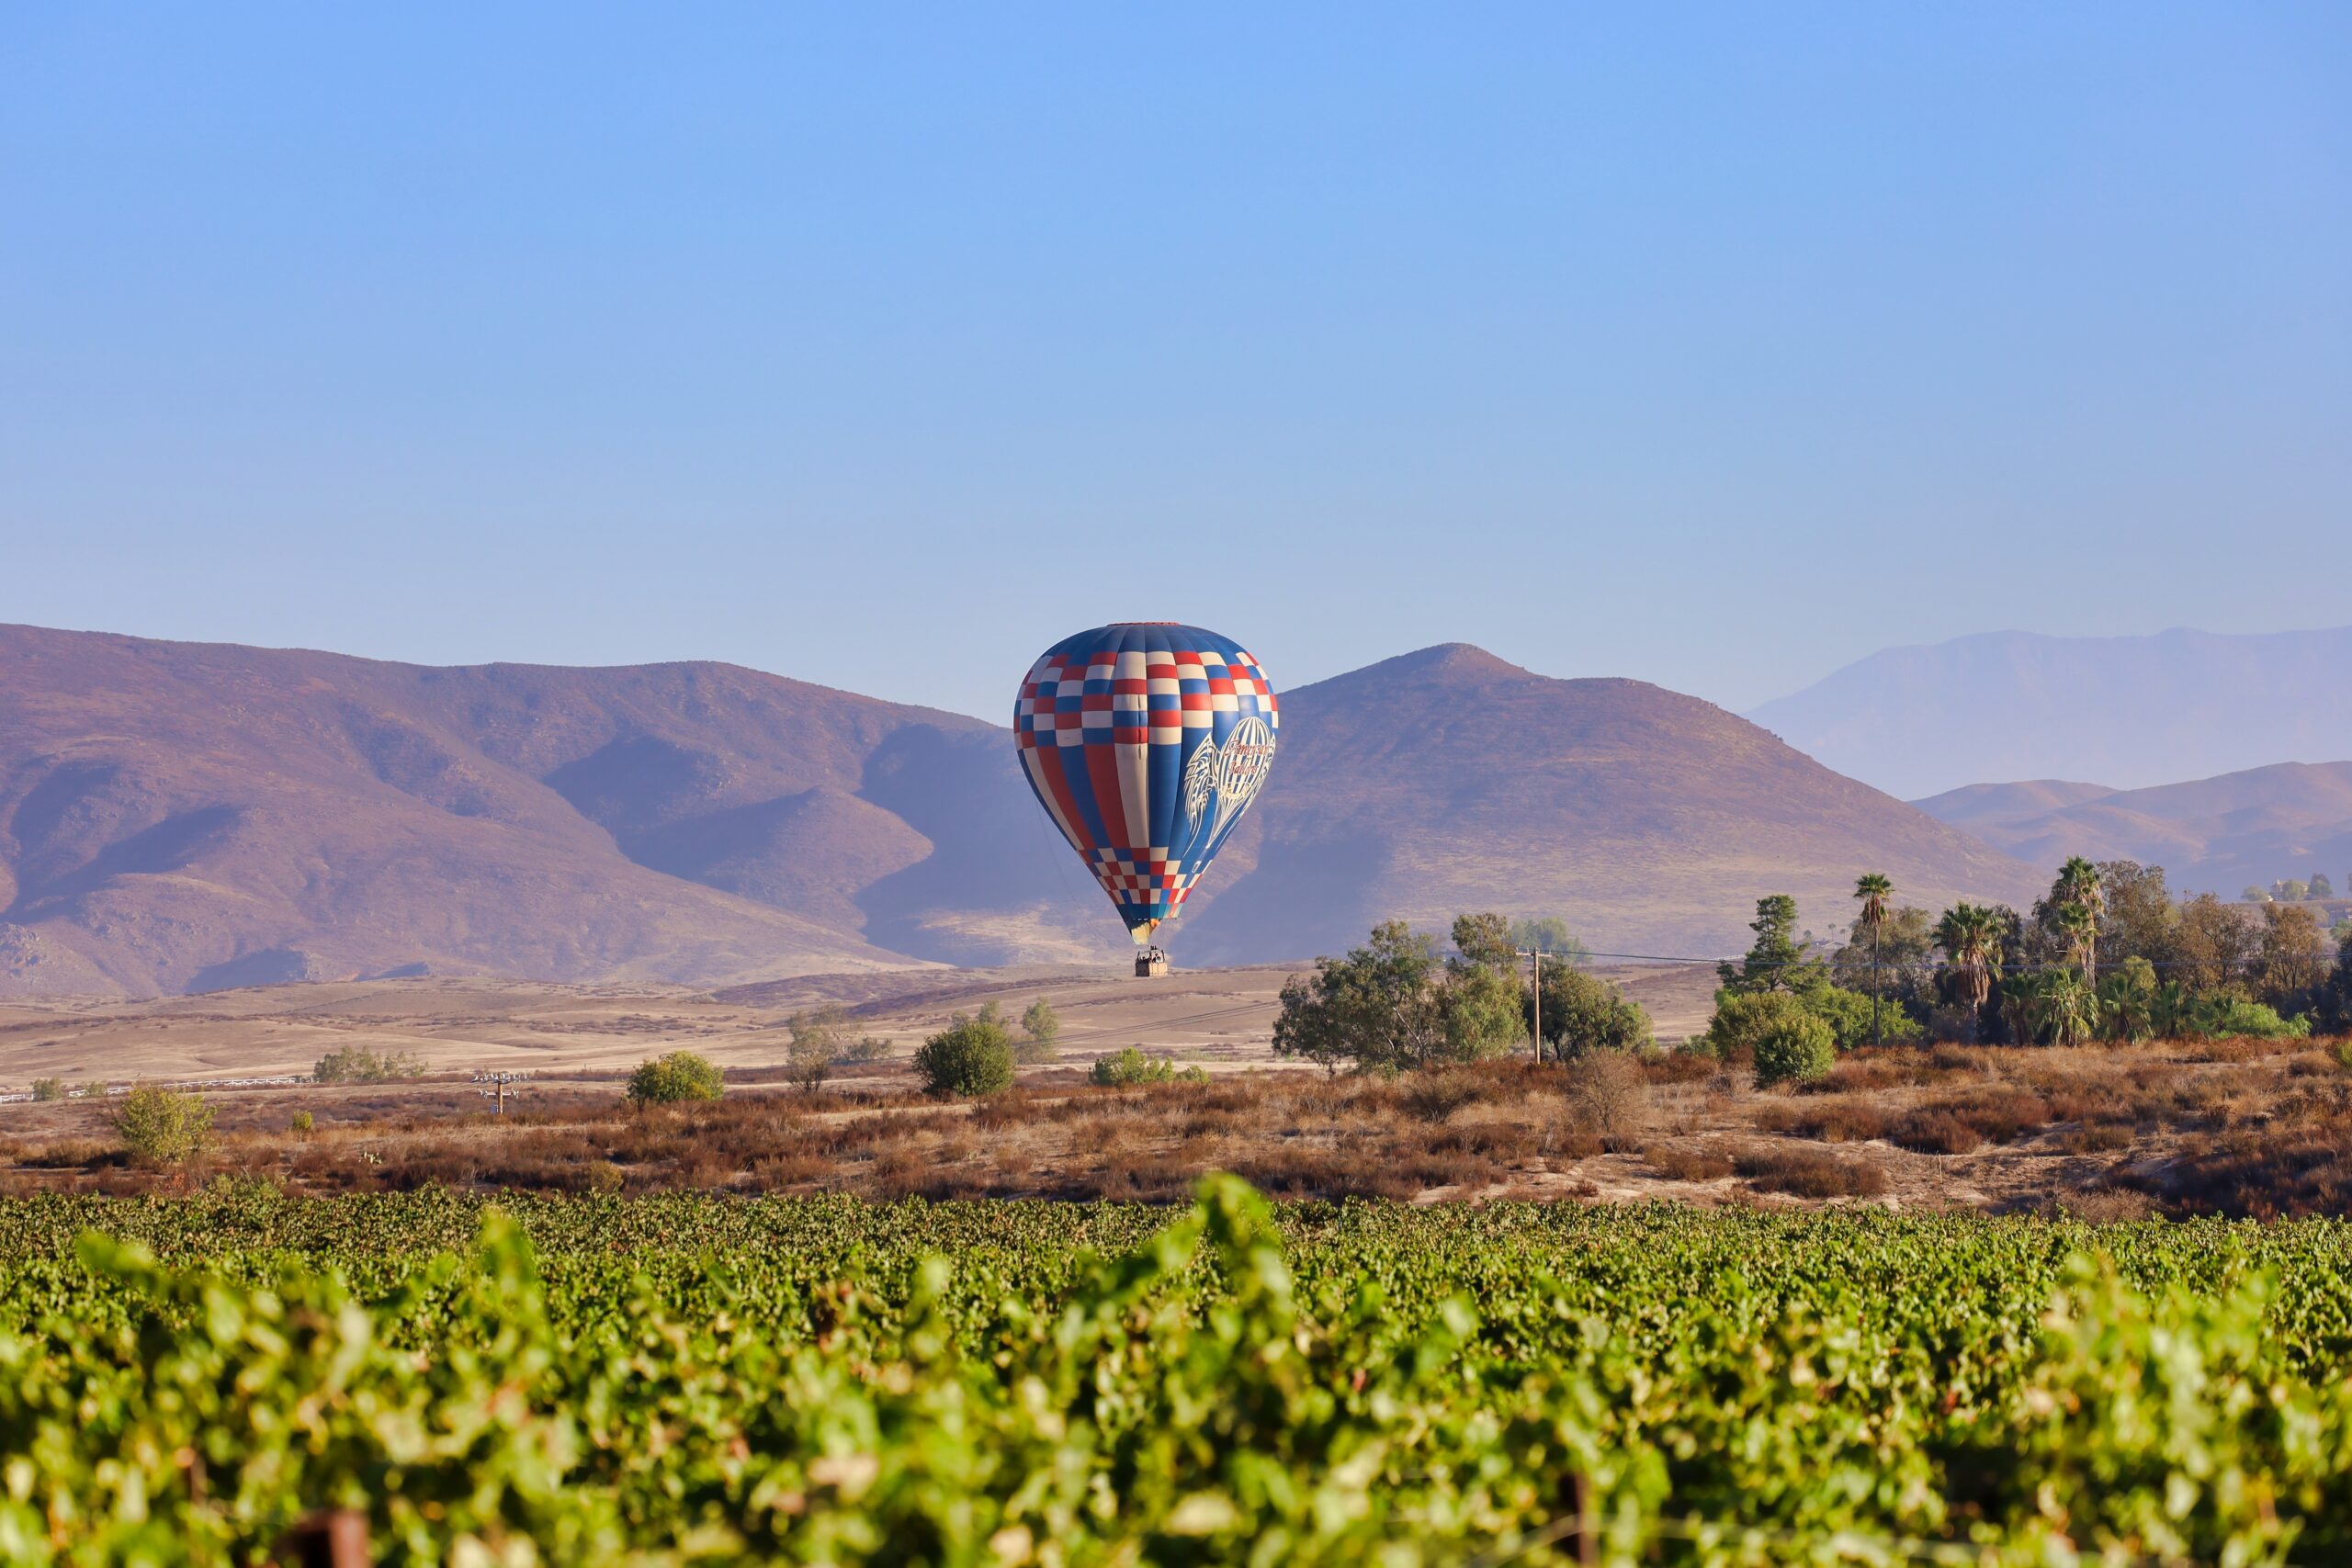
{"x": 1583, "y": 1013}
{"x": 1874, "y": 890}
{"x": 1854, "y": 1020}
{"x": 1483, "y": 941}
{"x": 1390, "y": 1005}
{"x": 160, "y": 1127}
{"x": 48, "y": 1088}
{"x": 2142, "y": 921}
{"x": 2062, "y": 1008}
{"x": 2078, "y": 926}
{"x": 2254, "y": 895}
{"x": 1797, "y": 1050}
{"x": 1899, "y": 960}
{"x": 2335, "y": 1001}
{"x": 970, "y": 1058}
{"x": 2293, "y": 958}
{"x": 2079, "y": 896}
{"x": 1743, "y": 1018}
{"x": 357, "y": 1064}
{"x": 818, "y": 1039}
{"x": 1480, "y": 1011}
{"x": 1375, "y": 1007}
{"x": 809, "y": 1061}
{"x": 1548, "y": 934}
{"x": 2214, "y": 945}
{"x": 1970, "y": 935}
{"x": 823, "y": 1029}
{"x": 1039, "y": 1024}
{"x": 2321, "y": 887}
{"x": 2292, "y": 890}
{"x": 674, "y": 1077}
{"x": 2127, "y": 1000}
{"x": 1775, "y": 960}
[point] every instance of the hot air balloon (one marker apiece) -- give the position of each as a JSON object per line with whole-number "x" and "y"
{"x": 1145, "y": 741}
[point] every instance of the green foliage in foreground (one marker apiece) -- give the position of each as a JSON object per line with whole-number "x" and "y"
{"x": 686, "y": 1379}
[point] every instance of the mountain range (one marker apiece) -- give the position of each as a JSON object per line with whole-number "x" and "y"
{"x": 2217, "y": 835}
{"x": 185, "y": 817}
{"x": 2133, "y": 711}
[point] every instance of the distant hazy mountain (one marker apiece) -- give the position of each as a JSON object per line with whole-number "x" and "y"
{"x": 180, "y": 817}
{"x": 1448, "y": 779}
{"x": 2214, "y": 835}
{"x": 2133, "y": 711}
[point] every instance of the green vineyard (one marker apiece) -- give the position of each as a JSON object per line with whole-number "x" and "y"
{"x": 688, "y": 1380}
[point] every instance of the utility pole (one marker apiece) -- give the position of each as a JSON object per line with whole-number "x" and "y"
{"x": 500, "y": 1081}
{"x": 1536, "y": 977}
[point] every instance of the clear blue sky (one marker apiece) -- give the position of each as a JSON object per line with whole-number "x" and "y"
{"x": 884, "y": 345}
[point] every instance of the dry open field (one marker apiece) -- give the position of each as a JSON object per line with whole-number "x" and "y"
{"x": 2237, "y": 1127}
{"x": 1222, "y": 1019}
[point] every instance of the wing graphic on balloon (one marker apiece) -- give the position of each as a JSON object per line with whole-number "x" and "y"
{"x": 1145, "y": 741}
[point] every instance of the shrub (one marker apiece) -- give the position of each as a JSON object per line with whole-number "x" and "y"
{"x": 1796, "y": 1051}
{"x": 160, "y": 1127}
{"x": 1434, "y": 1096}
{"x": 301, "y": 1123}
{"x": 679, "y": 1076}
{"x": 866, "y": 1048}
{"x": 2228, "y": 1018}
{"x": 1810, "y": 1173}
{"x": 1936, "y": 1131}
{"x": 1124, "y": 1068}
{"x": 48, "y": 1088}
{"x": 1743, "y": 1018}
{"x": 1609, "y": 1097}
{"x": 1689, "y": 1165}
{"x": 970, "y": 1058}
{"x": 357, "y": 1064}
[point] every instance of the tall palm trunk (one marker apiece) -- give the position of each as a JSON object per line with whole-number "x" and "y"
{"x": 1878, "y": 1035}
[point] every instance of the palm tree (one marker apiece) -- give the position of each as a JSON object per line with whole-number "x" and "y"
{"x": 2064, "y": 1007}
{"x": 1970, "y": 935}
{"x": 2079, "y": 926}
{"x": 1875, "y": 889}
{"x": 2079, "y": 887}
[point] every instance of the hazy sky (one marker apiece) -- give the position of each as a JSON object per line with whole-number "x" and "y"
{"x": 883, "y": 346}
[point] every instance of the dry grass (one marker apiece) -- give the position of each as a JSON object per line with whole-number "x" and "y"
{"x": 2192, "y": 1130}
{"x": 1810, "y": 1173}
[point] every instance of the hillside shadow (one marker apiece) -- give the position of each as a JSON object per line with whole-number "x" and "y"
{"x": 168, "y": 846}
{"x": 994, "y": 849}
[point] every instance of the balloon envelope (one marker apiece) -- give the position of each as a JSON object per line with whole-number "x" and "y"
{"x": 1145, "y": 743}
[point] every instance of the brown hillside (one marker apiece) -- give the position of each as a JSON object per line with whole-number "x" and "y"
{"x": 1448, "y": 779}
{"x": 180, "y": 815}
